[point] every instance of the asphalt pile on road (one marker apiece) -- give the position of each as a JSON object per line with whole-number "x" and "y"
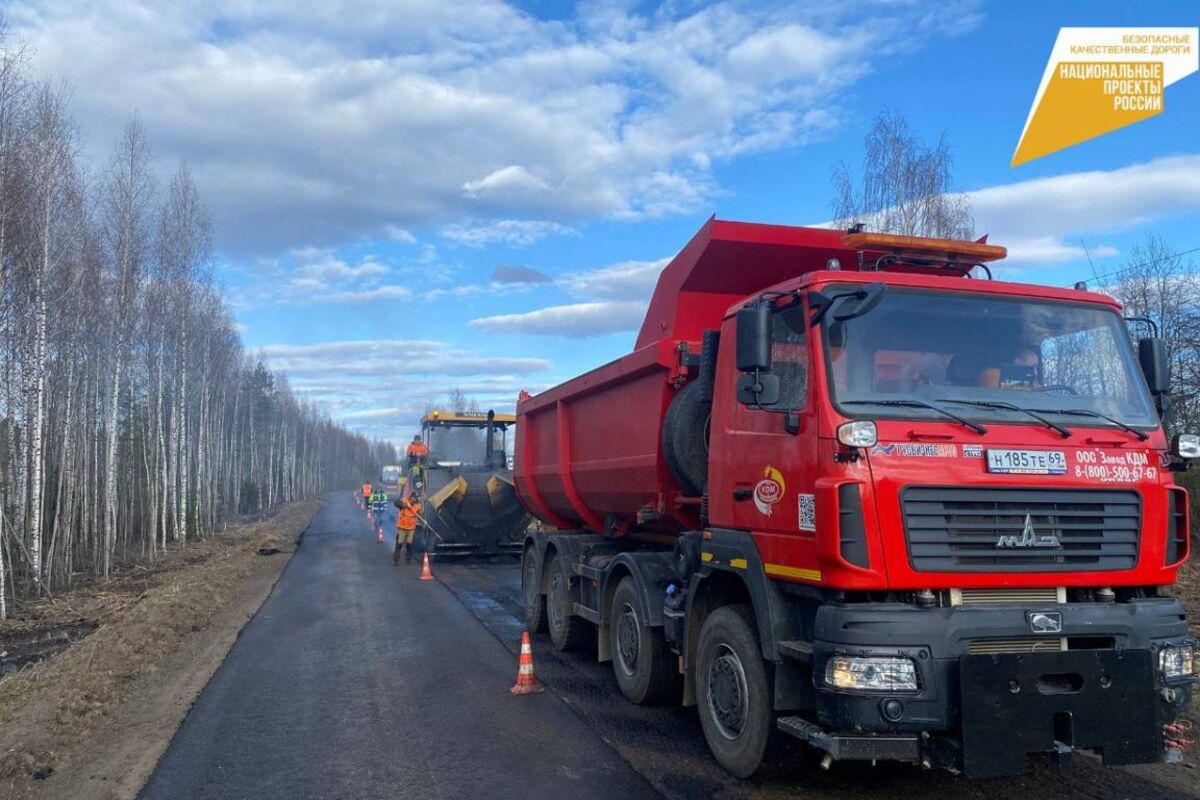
{"x": 153, "y": 635}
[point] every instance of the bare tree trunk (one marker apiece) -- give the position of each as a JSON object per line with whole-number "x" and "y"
{"x": 37, "y": 422}
{"x": 127, "y": 196}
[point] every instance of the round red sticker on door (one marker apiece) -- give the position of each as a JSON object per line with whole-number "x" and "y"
{"x": 769, "y": 490}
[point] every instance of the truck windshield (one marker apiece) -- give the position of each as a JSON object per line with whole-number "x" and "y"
{"x": 1066, "y": 362}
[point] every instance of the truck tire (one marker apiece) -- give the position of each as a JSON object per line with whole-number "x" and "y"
{"x": 732, "y": 691}
{"x": 531, "y": 590}
{"x": 685, "y": 439}
{"x": 644, "y": 666}
{"x": 567, "y": 632}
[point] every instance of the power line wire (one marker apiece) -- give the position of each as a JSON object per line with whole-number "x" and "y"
{"x": 1138, "y": 266}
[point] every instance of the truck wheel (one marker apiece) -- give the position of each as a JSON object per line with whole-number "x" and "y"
{"x": 733, "y": 697}
{"x": 531, "y": 588}
{"x": 644, "y": 665}
{"x": 567, "y": 632}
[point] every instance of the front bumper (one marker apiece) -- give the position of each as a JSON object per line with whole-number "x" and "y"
{"x": 984, "y": 713}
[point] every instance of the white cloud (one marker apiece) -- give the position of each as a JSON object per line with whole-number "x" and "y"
{"x": 1050, "y": 250}
{"x": 518, "y": 274}
{"x": 1042, "y": 220}
{"x": 574, "y": 320}
{"x": 388, "y": 292}
{"x": 465, "y": 290}
{"x": 511, "y": 232}
{"x": 327, "y": 268}
{"x": 504, "y": 281}
{"x": 329, "y": 122}
{"x": 315, "y": 276}
{"x": 629, "y": 280}
{"x": 398, "y": 234}
{"x": 375, "y": 413}
{"x": 504, "y": 186}
{"x": 789, "y": 52}
{"x": 616, "y": 298}
{"x": 392, "y": 357}
{"x": 381, "y": 386}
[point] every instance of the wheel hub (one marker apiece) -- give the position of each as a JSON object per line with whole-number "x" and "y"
{"x": 728, "y": 697}
{"x": 628, "y": 640}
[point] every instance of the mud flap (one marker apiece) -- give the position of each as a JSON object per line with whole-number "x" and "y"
{"x": 1017, "y": 704}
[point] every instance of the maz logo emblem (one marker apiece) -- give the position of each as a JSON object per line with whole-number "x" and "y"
{"x": 1029, "y": 538}
{"x": 1045, "y": 621}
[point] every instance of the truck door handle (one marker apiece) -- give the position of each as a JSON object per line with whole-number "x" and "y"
{"x": 742, "y": 494}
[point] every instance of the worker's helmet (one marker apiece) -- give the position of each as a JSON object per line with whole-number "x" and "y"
{"x": 417, "y": 438}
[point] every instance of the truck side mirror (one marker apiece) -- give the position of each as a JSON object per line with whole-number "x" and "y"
{"x": 1152, "y": 356}
{"x": 754, "y": 337}
{"x": 858, "y": 304}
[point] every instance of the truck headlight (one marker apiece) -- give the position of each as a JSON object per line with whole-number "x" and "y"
{"x": 1187, "y": 445}
{"x": 1177, "y": 661}
{"x": 861, "y": 433}
{"x": 872, "y": 674}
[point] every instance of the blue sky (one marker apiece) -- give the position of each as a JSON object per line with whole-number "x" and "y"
{"x": 411, "y": 196}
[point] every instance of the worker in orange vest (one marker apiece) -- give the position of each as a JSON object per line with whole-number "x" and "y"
{"x": 416, "y": 452}
{"x": 366, "y": 490}
{"x": 406, "y": 526}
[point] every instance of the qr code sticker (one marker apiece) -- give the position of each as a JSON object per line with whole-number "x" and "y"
{"x": 808, "y": 512}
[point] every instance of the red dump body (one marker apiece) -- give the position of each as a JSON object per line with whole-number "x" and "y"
{"x": 588, "y": 452}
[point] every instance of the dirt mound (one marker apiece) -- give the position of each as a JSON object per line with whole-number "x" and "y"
{"x": 117, "y": 637}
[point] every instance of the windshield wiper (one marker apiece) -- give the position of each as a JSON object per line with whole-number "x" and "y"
{"x": 1083, "y": 412}
{"x": 1062, "y": 430}
{"x": 919, "y": 404}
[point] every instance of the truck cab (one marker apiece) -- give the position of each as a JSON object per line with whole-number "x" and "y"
{"x": 991, "y": 466}
{"x": 936, "y": 510}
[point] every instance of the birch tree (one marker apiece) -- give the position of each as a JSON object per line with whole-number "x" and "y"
{"x": 904, "y": 187}
{"x": 128, "y": 194}
{"x": 52, "y": 160}
{"x": 131, "y": 417}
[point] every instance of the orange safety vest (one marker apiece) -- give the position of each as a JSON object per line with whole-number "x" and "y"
{"x": 416, "y": 452}
{"x": 406, "y": 520}
{"x": 366, "y": 490}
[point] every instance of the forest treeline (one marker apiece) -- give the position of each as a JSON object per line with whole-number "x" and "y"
{"x": 131, "y": 417}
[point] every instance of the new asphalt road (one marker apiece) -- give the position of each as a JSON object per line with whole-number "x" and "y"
{"x": 356, "y": 680}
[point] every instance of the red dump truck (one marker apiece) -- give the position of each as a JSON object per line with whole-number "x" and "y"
{"x": 848, "y": 488}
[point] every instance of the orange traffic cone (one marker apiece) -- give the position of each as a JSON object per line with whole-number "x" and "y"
{"x": 381, "y": 533}
{"x": 426, "y": 575}
{"x": 527, "y": 682}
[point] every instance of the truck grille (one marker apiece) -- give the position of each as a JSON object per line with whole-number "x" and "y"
{"x": 1023, "y": 644}
{"x": 955, "y": 529}
{"x": 1008, "y": 597}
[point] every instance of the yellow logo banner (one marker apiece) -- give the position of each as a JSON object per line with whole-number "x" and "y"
{"x": 1100, "y": 79}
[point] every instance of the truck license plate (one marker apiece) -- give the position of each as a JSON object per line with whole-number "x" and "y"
{"x": 1027, "y": 462}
